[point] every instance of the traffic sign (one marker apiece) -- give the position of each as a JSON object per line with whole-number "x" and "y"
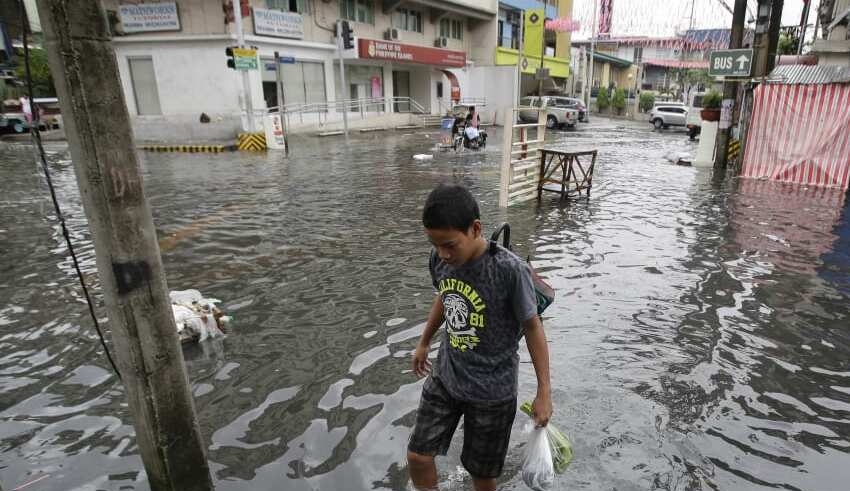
{"x": 245, "y": 58}
{"x": 730, "y": 63}
{"x": 287, "y": 60}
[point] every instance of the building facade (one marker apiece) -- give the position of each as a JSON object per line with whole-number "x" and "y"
{"x": 171, "y": 57}
{"x": 833, "y": 44}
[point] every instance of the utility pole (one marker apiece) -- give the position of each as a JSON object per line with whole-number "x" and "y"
{"x": 773, "y": 33}
{"x": 250, "y": 127}
{"x": 339, "y": 48}
{"x": 804, "y": 22}
{"x": 730, "y": 89}
{"x": 147, "y": 349}
{"x": 592, "y": 49}
{"x": 520, "y": 58}
{"x": 281, "y": 101}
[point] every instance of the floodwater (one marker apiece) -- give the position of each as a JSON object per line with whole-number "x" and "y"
{"x": 699, "y": 339}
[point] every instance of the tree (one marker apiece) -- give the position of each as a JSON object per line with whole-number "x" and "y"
{"x": 647, "y": 100}
{"x": 602, "y": 100}
{"x": 42, "y": 80}
{"x": 787, "y": 45}
{"x": 697, "y": 78}
{"x": 618, "y": 102}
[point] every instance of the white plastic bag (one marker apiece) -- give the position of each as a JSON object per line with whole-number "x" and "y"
{"x": 538, "y": 471}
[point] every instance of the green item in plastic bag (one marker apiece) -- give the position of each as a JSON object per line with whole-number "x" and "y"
{"x": 559, "y": 444}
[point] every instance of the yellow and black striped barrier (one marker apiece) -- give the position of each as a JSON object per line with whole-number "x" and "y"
{"x": 255, "y": 142}
{"x": 187, "y": 148}
{"x": 734, "y": 149}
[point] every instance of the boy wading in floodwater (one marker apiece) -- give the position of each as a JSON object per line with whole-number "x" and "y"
{"x": 487, "y": 300}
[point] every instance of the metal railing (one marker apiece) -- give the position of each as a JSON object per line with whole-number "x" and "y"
{"x": 323, "y": 112}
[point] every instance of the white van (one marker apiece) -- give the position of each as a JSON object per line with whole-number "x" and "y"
{"x": 694, "y": 122}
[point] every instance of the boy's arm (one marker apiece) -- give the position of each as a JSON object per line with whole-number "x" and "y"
{"x": 421, "y": 364}
{"x": 535, "y": 339}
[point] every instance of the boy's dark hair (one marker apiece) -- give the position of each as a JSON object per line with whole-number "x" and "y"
{"x": 450, "y": 206}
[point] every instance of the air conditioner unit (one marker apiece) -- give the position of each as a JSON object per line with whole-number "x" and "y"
{"x": 392, "y": 34}
{"x": 442, "y": 42}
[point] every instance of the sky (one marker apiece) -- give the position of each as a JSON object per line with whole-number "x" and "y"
{"x": 666, "y": 17}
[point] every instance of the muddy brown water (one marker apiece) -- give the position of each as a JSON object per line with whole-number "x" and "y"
{"x": 699, "y": 339}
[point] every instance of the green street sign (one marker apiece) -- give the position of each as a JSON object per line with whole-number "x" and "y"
{"x": 245, "y": 59}
{"x": 730, "y": 63}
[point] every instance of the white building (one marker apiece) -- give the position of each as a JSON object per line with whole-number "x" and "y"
{"x": 172, "y": 61}
{"x": 833, "y": 46}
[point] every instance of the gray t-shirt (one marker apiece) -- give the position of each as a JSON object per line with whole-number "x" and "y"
{"x": 485, "y": 302}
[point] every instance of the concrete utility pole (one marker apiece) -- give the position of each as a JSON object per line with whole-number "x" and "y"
{"x": 281, "y": 101}
{"x": 730, "y": 89}
{"x": 345, "y": 101}
{"x": 592, "y": 49}
{"x": 250, "y": 127}
{"x": 147, "y": 349}
{"x": 773, "y": 33}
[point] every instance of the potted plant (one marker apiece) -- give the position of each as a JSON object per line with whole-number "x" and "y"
{"x": 711, "y": 106}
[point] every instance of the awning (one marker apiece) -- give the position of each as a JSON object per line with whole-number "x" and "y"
{"x": 678, "y": 63}
{"x": 455, "y": 85}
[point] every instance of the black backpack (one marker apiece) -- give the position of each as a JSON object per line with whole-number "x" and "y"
{"x": 545, "y": 293}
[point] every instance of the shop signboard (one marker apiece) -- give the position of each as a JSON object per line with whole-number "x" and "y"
{"x": 277, "y": 23}
{"x": 147, "y": 17}
{"x": 392, "y": 51}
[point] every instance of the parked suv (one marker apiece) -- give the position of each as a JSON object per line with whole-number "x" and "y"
{"x": 666, "y": 115}
{"x": 558, "y": 113}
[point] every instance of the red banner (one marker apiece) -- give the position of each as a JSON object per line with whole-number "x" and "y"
{"x": 392, "y": 51}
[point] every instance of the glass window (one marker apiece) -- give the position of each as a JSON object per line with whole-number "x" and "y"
{"x": 303, "y": 82}
{"x": 509, "y": 21}
{"x": 450, "y": 28}
{"x": 408, "y": 20}
{"x": 299, "y": 6}
{"x": 358, "y": 11}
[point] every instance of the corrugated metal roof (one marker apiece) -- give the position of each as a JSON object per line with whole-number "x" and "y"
{"x": 805, "y": 74}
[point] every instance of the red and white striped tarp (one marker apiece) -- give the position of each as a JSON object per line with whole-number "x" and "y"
{"x": 800, "y": 134}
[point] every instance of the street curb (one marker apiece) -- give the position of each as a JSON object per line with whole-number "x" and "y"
{"x": 188, "y": 148}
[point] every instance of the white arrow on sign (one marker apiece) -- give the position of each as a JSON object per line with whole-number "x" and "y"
{"x": 742, "y": 61}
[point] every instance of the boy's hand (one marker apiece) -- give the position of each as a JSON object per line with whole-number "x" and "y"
{"x": 542, "y": 410}
{"x": 421, "y": 363}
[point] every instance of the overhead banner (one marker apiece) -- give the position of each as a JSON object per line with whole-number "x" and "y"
{"x": 389, "y": 50}
{"x": 149, "y": 17}
{"x": 606, "y": 15}
{"x": 277, "y": 23}
{"x": 533, "y": 32}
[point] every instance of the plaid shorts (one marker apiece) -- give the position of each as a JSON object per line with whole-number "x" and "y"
{"x": 486, "y": 429}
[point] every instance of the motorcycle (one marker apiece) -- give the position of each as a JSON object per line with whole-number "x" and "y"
{"x": 467, "y": 137}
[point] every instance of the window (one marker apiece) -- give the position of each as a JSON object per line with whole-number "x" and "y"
{"x": 143, "y": 78}
{"x": 408, "y": 20}
{"x": 451, "y": 28}
{"x": 303, "y": 83}
{"x": 358, "y": 11}
{"x": 638, "y": 56}
{"x": 509, "y": 22}
{"x": 298, "y": 6}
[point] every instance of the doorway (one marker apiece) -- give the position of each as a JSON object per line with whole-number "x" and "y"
{"x": 401, "y": 88}
{"x": 143, "y": 79}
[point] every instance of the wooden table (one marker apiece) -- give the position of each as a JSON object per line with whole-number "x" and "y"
{"x": 565, "y": 172}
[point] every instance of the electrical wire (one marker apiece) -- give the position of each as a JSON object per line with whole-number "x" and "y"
{"x": 36, "y": 136}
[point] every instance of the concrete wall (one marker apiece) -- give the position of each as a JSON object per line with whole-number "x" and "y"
{"x": 495, "y": 83}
